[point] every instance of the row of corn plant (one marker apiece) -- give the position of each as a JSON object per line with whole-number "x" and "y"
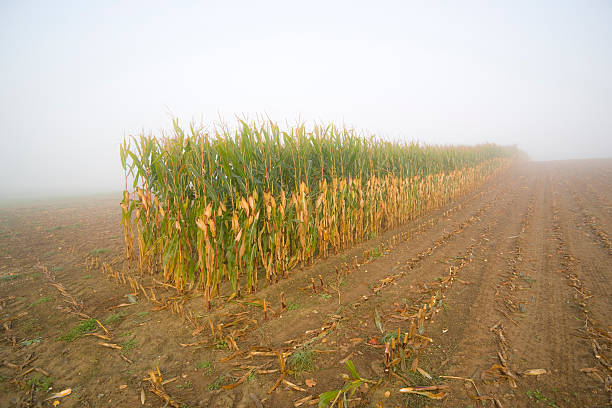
{"x": 252, "y": 203}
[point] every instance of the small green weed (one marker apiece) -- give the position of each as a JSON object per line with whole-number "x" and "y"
{"x": 205, "y": 366}
{"x": 128, "y": 345}
{"x": 301, "y": 360}
{"x": 87, "y": 276}
{"x": 541, "y": 398}
{"x": 41, "y": 301}
{"x": 114, "y": 318}
{"x": 141, "y": 317}
{"x": 325, "y": 296}
{"x": 86, "y": 326}
{"x": 292, "y": 306}
{"x": 219, "y": 382}
{"x": 100, "y": 251}
{"x": 42, "y": 382}
{"x": 10, "y": 277}
{"x": 221, "y": 345}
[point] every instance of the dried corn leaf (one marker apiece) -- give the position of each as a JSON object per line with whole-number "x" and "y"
{"x": 60, "y": 394}
{"x": 110, "y": 345}
{"x": 197, "y": 343}
{"x": 424, "y": 373}
{"x": 100, "y": 336}
{"x": 302, "y": 401}
{"x": 425, "y": 393}
{"x": 428, "y": 388}
{"x": 535, "y": 371}
{"x": 237, "y": 383}
{"x": 293, "y": 386}
{"x": 415, "y": 365}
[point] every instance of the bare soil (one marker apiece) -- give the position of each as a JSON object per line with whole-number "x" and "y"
{"x": 519, "y": 271}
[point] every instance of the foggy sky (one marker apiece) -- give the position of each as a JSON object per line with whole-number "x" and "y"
{"x": 76, "y": 77}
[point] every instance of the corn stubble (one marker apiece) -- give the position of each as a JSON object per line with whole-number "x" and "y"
{"x": 236, "y": 206}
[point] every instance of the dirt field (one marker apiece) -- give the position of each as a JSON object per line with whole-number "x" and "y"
{"x": 505, "y": 283}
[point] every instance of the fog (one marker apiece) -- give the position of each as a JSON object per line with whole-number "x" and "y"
{"x": 76, "y": 77}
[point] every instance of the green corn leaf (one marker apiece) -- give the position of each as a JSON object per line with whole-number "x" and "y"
{"x": 326, "y": 398}
{"x": 351, "y": 367}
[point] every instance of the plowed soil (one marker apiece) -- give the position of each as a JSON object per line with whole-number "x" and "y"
{"x": 507, "y": 291}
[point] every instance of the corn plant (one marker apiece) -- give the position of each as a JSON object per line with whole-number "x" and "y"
{"x": 236, "y": 206}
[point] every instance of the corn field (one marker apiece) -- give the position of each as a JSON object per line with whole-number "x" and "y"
{"x": 250, "y": 204}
